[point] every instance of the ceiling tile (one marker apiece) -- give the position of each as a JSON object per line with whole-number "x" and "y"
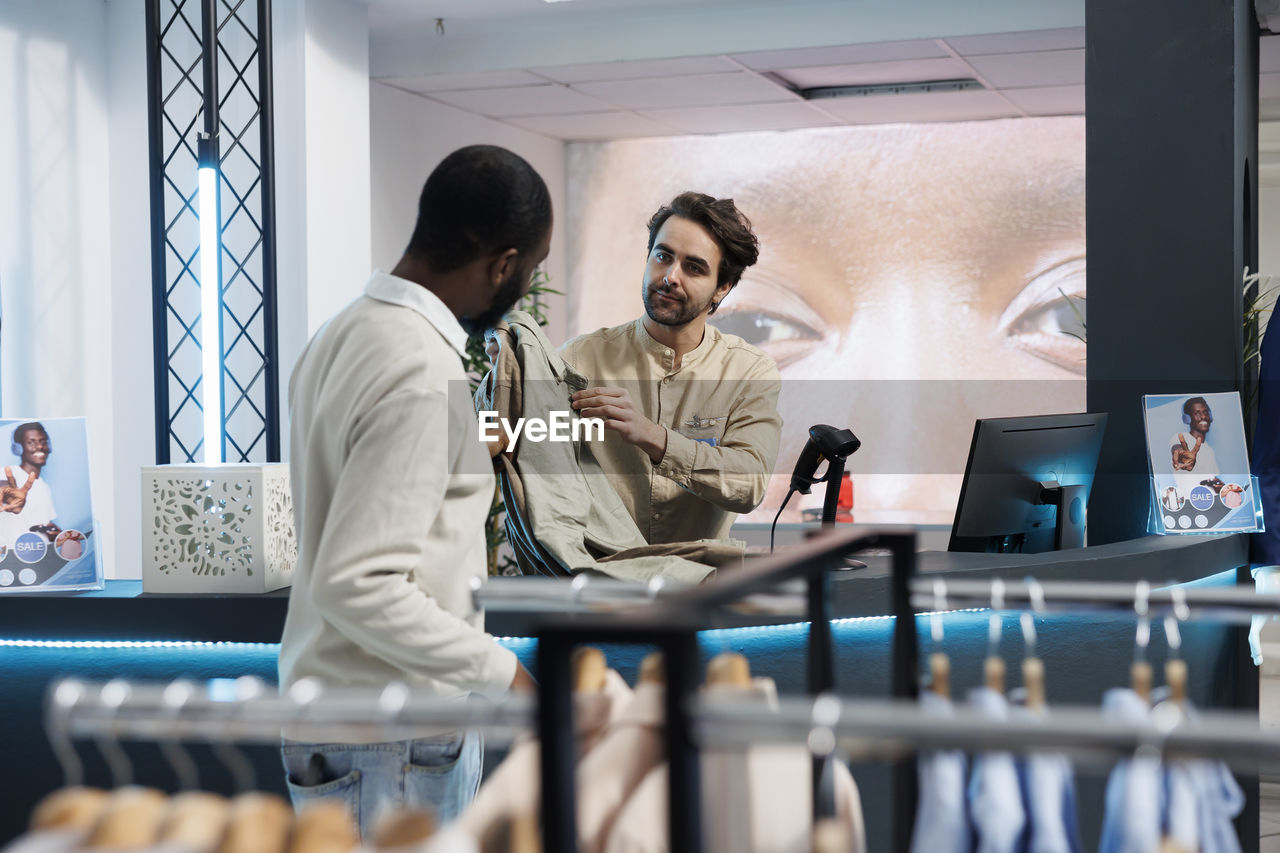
{"x": 1017, "y": 70}
{"x": 473, "y": 80}
{"x": 660, "y": 92}
{"x": 1027, "y": 42}
{"x": 873, "y": 73}
{"x": 924, "y": 107}
{"x": 1049, "y": 100}
{"x": 1269, "y": 54}
{"x": 743, "y": 117}
{"x": 1268, "y": 87}
{"x": 600, "y": 71}
{"x": 614, "y": 125}
{"x": 547, "y": 99}
{"x": 771, "y": 60}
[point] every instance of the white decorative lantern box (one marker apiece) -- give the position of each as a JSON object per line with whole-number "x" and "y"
{"x": 217, "y": 528}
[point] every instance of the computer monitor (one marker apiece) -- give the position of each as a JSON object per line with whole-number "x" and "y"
{"x": 1026, "y": 484}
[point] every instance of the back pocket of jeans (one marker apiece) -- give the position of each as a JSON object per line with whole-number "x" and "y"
{"x": 442, "y": 773}
{"x": 344, "y": 789}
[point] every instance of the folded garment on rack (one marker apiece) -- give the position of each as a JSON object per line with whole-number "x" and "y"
{"x": 563, "y": 515}
{"x": 757, "y": 800}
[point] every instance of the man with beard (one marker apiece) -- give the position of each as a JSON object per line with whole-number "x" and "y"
{"x": 691, "y": 414}
{"x": 391, "y": 488}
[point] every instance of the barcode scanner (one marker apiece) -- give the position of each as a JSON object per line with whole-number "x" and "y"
{"x": 835, "y": 446}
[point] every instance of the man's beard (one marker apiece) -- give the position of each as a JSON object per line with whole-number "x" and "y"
{"x": 503, "y": 301}
{"x": 675, "y": 314}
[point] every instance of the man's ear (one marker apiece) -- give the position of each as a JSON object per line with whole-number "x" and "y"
{"x": 502, "y": 266}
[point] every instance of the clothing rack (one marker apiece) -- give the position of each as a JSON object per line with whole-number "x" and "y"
{"x": 672, "y": 623}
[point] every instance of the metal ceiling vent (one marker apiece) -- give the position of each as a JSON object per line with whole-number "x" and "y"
{"x": 917, "y": 88}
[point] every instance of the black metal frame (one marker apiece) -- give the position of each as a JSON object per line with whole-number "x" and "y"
{"x": 672, "y": 625}
{"x": 178, "y": 172}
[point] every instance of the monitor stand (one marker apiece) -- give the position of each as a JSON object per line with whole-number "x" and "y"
{"x": 1070, "y": 504}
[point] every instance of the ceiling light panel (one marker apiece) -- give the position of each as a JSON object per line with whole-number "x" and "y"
{"x": 1019, "y": 70}
{"x": 875, "y": 73}
{"x": 547, "y": 99}
{"x": 657, "y": 93}
{"x": 941, "y": 106}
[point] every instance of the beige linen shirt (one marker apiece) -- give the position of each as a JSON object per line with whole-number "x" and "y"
{"x": 391, "y": 488}
{"x": 720, "y": 410}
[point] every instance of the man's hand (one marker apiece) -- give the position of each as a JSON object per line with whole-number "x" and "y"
{"x": 1184, "y": 458}
{"x": 12, "y": 496}
{"x": 523, "y": 681}
{"x": 615, "y": 407}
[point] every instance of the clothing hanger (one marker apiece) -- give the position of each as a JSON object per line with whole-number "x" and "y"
{"x": 1033, "y": 666}
{"x": 195, "y": 820}
{"x": 524, "y": 837}
{"x": 404, "y": 828}
{"x": 939, "y": 663}
{"x": 830, "y": 836}
{"x": 1175, "y": 668}
{"x": 244, "y": 777}
{"x": 993, "y": 668}
{"x": 1140, "y": 671}
{"x": 132, "y": 815}
{"x": 175, "y": 697}
{"x": 589, "y": 668}
{"x": 653, "y": 670}
{"x": 130, "y": 821}
{"x": 325, "y": 826}
{"x": 257, "y": 823}
{"x": 728, "y": 669}
{"x": 73, "y": 806}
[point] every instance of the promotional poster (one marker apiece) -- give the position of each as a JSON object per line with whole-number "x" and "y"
{"x": 47, "y": 538}
{"x": 1199, "y": 463}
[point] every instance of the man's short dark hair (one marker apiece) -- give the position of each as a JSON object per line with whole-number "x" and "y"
{"x": 480, "y": 200}
{"x": 729, "y": 226}
{"x": 1186, "y": 407}
{"x": 21, "y": 428}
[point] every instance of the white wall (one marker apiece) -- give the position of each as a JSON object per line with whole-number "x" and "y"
{"x": 132, "y": 442}
{"x": 56, "y": 354}
{"x": 409, "y": 135}
{"x": 321, "y": 94}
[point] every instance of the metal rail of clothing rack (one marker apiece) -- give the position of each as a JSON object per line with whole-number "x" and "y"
{"x": 1222, "y": 604}
{"x": 864, "y": 729}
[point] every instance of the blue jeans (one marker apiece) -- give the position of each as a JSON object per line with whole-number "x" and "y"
{"x": 442, "y": 773}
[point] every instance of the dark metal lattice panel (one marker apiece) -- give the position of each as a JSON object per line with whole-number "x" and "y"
{"x": 241, "y": 114}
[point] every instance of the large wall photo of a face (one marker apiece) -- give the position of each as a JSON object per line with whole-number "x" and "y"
{"x": 912, "y": 278}
{"x": 47, "y": 536}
